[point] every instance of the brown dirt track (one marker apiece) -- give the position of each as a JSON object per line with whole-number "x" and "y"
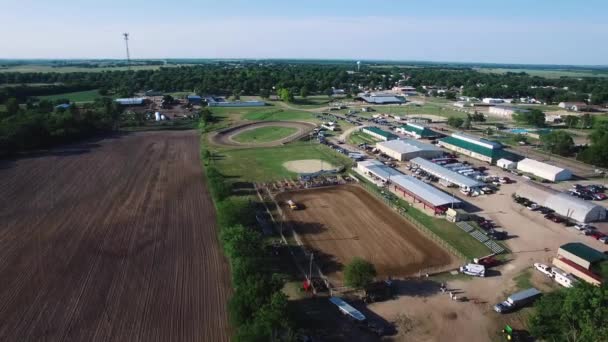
{"x": 342, "y": 222}
{"x": 224, "y": 137}
{"x": 111, "y": 241}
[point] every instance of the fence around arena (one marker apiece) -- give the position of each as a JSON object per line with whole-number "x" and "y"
{"x": 403, "y": 212}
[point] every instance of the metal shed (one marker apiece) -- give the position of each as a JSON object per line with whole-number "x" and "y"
{"x": 407, "y": 149}
{"x": 544, "y": 170}
{"x": 565, "y": 205}
{"x": 423, "y": 192}
{"x": 447, "y": 174}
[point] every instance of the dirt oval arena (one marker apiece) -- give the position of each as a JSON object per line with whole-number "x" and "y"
{"x": 225, "y": 137}
{"x": 342, "y": 222}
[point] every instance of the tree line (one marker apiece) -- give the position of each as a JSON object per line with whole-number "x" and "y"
{"x": 248, "y": 78}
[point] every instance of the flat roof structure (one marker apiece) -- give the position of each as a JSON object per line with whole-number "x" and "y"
{"x": 130, "y": 101}
{"x": 490, "y": 150}
{"x": 379, "y": 98}
{"x": 584, "y": 252}
{"x": 378, "y": 169}
{"x": 447, "y": 174}
{"x": 424, "y": 192}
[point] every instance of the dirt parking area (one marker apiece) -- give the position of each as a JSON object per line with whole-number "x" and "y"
{"x": 342, "y": 222}
{"x": 112, "y": 240}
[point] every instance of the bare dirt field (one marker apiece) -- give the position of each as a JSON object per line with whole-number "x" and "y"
{"x": 343, "y": 222}
{"x": 225, "y": 137}
{"x": 307, "y": 165}
{"x": 111, "y": 241}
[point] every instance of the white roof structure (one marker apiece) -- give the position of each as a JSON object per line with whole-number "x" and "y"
{"x": 130, "y": 101}
{"x": 423, "y": 191}
{"x": 446, "y": 174}
{"x": 347, "y": 309}
{"x": 565, "y": 205}
{"x": 408, "y": 146}
{"x": 544, "y": 170}
{"x": 378, "y": 169}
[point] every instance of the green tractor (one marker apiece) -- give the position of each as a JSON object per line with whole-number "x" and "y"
{"x": 511, "y": 334}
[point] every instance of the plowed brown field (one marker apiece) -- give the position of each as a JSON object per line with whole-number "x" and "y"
{"x": 343, "y": 222}
{"x": 112, "y": 241}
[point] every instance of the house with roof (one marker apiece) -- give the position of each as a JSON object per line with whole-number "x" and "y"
{"x": 381, "y": 98}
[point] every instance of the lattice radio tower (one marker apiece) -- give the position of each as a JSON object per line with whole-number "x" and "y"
{"x": 126, "y": 35}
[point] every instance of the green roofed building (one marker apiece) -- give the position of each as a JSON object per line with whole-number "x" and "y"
{"x": 478, "y": 148}
{"x": 581, "y": 254}
{"x": 417, "y": 131}
{"x": 378, "y": 133}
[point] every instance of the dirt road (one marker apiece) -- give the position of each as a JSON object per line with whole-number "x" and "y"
{"x": 111, "y": 241}
{"x": 225, "y": 137}
{"x": 343, "y": 222}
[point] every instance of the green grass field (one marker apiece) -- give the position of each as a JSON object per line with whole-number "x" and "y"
{"x": 266, "y": 164}
{"x": 264, "y": 134}
{"x": 79, "y": 96}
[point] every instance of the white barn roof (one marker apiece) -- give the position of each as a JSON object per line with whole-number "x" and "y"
{"x": 543, "y": 170}
{"x": 446, "y": 174}
{"x": 563, "y": 204}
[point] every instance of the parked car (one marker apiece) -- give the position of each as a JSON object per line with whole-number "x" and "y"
{"x": 542, "y": 268}
{"x": 583, "y": 226}
{"x": 533, "y": 206}
{"x": 557, "y": 219}
{"x": 604, "y": 240}
{"x": 597, "y": 235}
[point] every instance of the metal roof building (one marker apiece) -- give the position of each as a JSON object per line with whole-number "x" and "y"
{"x": 544, "y": 170}
{"x": 408, "y": 149}
{"x": 378, "y": 133}
{"x": 581, "y": 254}
{"x": 446, "y": 174}
{"x": 565, "y": 205}
{"x": 417, "y": 131}
{"x": 379, "y": 98}
{"x": 130, "y": 102}
{"x": 478, "y": 148}
{"x": 425, "y": 193}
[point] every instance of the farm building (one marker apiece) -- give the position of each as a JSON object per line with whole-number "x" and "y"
{"x": 375, "y": 169}
{"x": 447, "y": 175}
{"x": 478, "y": 148}
{"x": 543, "y": 170}
{"x": 381, "y": 98}
{"x": 408, "y": 149}
{"x": 506, "y": 164}
{"x": 63, "y": 106}
{"x": 420, "y": 191}
{"x": 417, "y": 131}
{"x": 378, "y": 133}
{"x": 573, "y": 106}
{"x": 580, "y": 260}
{"x": 580, "y": 254}
{"x": 131, "y": 101}
{"x": 506, "y": 111}
{"x": 424, "y": 193}
{"x": 221, "y": 102}
{"x": 194, "y": 99}
{"x": 565, "y": 205}
{"x": 489, "y": 100}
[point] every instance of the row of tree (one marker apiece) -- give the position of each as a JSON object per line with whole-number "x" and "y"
{"x": 258, "y": 309}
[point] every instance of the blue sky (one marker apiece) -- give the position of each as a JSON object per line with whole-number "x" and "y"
{"x": 514, "y": 31}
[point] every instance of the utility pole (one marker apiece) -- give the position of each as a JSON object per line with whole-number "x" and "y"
{"x": 126, "y": 35}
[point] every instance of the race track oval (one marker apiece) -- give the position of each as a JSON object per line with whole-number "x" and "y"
{"x": 225, "y": 137}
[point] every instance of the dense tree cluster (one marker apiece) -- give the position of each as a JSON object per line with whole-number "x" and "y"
{"x": 575, "y": 314}
{"x": 42, "y": 125}
{"x": 558, "y": 142}
{"x": 359, "y": 273}
{"x": 532, "y": 117}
